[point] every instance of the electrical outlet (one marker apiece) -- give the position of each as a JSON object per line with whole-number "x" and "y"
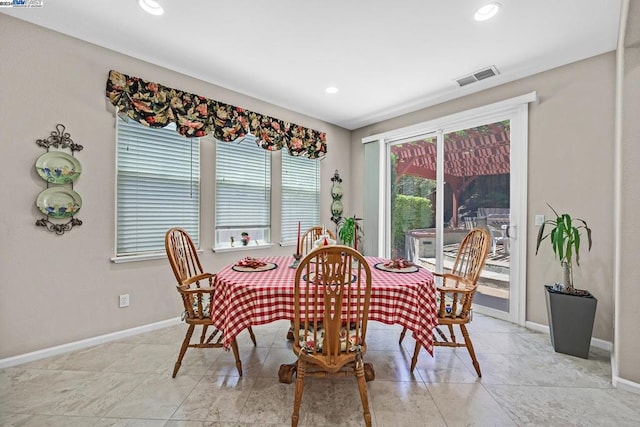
{"x": 124, "y": 300}
{"x": 539, "y": 219}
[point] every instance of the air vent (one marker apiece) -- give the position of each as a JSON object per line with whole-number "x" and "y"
{"x": 477, "y": 76}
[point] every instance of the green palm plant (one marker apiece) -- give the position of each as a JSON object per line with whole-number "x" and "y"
{"x": 565, "y": 240}
{"x": 347, "y": 229}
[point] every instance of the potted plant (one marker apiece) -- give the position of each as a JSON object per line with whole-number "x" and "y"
{"x": 570, "y": 311}
{"x": 245, "y": 238}
{"x": 349, "y": 231}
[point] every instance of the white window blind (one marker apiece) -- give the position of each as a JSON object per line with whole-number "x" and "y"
{"x": 300, "y": 195}
{"x": 158, "y": 187}
{"x": 243, "y": 193}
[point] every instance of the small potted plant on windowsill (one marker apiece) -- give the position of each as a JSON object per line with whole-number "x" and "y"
{"x": 245, "y": 238}
{"x": 570, "y": 311}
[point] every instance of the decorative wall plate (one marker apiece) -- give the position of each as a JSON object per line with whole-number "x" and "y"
{"x": 58, "y": 167}
{"x": 59, "y": 202}
{"x": 337, "y": 208}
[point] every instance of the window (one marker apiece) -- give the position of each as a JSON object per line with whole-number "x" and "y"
{"x": 243, "y": 193}
{"x": 158, "y": 187}
{"x": 300, "y": 195}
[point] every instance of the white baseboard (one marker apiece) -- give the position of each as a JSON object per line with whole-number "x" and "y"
{"x": 89, "y": 342}
{"x": 621, "y": 383}
{"x": 625, "y": 385}
{"x": 595, "y": 342}
{"x": 537, "y": 327}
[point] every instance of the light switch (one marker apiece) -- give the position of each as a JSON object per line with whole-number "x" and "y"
{"x": 539, "y": 219}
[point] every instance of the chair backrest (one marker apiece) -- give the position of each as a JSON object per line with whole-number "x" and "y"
{"x": 182, "y": 254}
{"x": 472, "y": 254}
{"x": 196, "y": 287}
{"x": 332, "y": 296}
{"x": 455, "y": 305}
{"x": 310, "y": 236}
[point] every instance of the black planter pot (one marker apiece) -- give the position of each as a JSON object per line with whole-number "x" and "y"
{"x": 570, "y": 321}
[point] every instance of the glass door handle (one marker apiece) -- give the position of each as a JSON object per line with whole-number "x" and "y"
{"x": 511, "y": 229}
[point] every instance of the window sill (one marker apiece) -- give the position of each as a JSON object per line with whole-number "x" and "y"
{"x": 144, "y": 257}
{"x": 135, "y": 258}
{"x": 242, "y": 248}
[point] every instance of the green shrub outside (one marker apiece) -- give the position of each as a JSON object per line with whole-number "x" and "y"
{"x": 409, "y": 213}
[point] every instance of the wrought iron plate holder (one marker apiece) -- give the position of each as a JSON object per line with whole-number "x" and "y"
{"x": 59, "y": 139}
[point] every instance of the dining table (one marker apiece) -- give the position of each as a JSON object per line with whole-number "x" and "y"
{"x": 247, "y": 296}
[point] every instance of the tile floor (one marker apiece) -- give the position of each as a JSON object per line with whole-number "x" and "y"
{"x": 128, "y": 383}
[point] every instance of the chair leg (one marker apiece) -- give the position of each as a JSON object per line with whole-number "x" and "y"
{"x": 414, "y": 359}
{"x": 404, "y": 331}
{"x": 236, "y": 354}
{"x": 452, "y": 333}
{"x": 290, "y": 334}
{"x": 204, "y": 333}
{"x": 253, "y": 337}
{"x": 183, "y": 350}
{"x": 298, "y": 393}
{"x": 362, "y": 387}
{"x": 472, "y": 353}
{"x": 441, "y": 334}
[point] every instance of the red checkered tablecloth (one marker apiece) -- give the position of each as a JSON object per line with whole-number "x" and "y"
{"x": 244, "y": 299}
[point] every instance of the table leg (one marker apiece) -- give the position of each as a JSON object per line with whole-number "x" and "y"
{"x": 286, "y": 371}
{"x": 369, "y": 373}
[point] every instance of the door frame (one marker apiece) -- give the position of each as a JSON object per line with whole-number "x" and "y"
{"x": 514, "y": 109}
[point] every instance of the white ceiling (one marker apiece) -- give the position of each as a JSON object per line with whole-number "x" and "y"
{"x": 386, "y": 57}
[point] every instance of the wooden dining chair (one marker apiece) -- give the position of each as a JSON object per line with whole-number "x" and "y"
{"x": 456, "y": 293}
{"x": 331, "y": 306}
{"x": 310, "y": 236}
{"x": 306, "y": 245}
{"x": 196, "y": 288}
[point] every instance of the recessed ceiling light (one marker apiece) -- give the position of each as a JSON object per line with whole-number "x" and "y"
{"x": 151, "y": 6}
{"x": 331, "y": 90}
{"x": 487, "y": 12}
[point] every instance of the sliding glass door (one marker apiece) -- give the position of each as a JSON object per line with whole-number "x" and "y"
{"x": 461, "y": 175}
{"x": 412, "y": 197}
{"x": 477, "y": 173}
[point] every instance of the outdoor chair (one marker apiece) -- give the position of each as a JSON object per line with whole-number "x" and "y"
{"x": 499, "y": 237}
{"x": 196, "y": 289}
{"x": 455, "y": 294}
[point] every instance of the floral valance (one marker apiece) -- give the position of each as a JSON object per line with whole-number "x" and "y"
{"x": 155, "y": 105}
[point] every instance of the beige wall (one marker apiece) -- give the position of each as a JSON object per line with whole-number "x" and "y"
{"x": 627, "y": 344}
{"x": 570, "y": 161}
{"x": 60, "y": 289}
